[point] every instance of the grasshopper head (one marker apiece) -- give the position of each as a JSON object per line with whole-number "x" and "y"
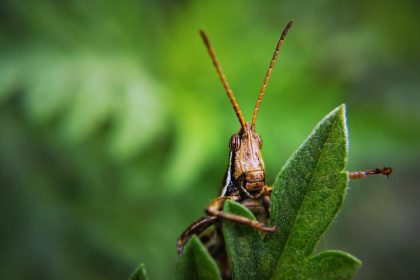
{"x": 247, "y": 165}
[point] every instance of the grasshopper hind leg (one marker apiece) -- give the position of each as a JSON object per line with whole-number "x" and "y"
{"x": 215, "y": 210}
{"x": 196, "y": 228}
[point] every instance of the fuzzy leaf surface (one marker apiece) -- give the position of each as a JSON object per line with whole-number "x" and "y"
{"x": 245, "y": 247}
{"x": 196, "y": 262}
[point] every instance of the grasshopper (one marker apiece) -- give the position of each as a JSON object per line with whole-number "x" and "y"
{"x": 244, "y": 180}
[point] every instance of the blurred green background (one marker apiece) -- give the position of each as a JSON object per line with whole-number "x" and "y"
{"x": 114, "y": 125}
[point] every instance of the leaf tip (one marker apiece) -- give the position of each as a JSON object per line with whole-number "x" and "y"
{"x": 140, "y": 273}
{"x": 238, "y": 209}
{"x": 335, "y": 264}
{"x": 196, "y": 262}
{"x": 339, "y": 111}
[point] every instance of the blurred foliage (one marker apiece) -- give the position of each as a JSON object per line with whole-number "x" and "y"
{"x": 114, "y": 127}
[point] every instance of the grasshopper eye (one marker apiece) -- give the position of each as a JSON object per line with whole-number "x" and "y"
{"x": 235, "y": 142}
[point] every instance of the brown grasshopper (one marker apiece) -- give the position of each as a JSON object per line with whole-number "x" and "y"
{"x": 244, "y": 180}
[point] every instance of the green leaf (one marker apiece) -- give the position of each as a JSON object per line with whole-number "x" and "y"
{"x": 333, "y": 264}
{"x": 196, "y": 262}
{"x": 244, "y": 244}
{"x": 307, "y": 195}
{"x": 139, "y": 273}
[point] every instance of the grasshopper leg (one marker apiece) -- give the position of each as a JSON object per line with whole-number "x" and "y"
{"x": 195, "y": 228}
{"x": 267, "y": 191}
{"x": 214, "y": 209}
{"x": 267, "y": 200}
{"x": 377, "y": 171}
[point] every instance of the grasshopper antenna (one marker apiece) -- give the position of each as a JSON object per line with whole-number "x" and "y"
{"x": 223, "y": 78}
{"x": 268, "y": 74}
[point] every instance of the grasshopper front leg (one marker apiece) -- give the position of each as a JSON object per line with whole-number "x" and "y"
{"x": 377, "y": 171}
{"x": 215, "y": 209}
